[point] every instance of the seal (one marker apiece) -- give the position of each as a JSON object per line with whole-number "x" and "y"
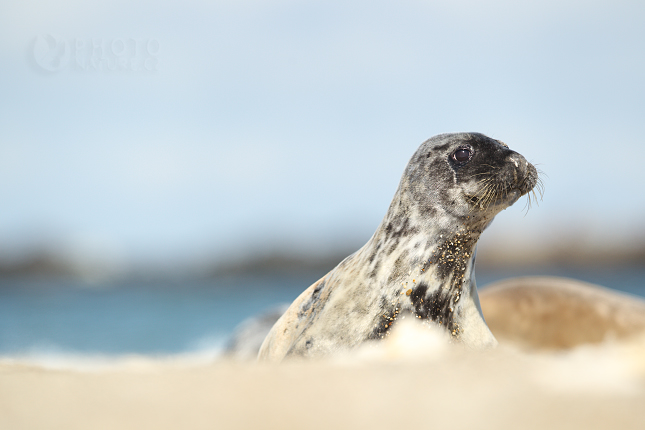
{"x": 420, "y": 261}
{"x": 552, "y": 313}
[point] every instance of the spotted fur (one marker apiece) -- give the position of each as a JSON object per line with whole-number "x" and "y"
{"x": 420, "y": 261}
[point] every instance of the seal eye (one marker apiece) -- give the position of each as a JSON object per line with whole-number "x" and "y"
{"x": 462, "y": 155}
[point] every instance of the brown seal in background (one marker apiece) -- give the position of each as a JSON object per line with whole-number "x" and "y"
{"x": 559, "y": 313}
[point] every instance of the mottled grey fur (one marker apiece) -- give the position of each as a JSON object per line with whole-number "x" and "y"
{"x": 420, "y": 261}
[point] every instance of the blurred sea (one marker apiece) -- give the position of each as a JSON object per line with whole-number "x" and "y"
{"x": 45, "y": 317}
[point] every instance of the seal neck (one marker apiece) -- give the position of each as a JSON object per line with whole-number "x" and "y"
{"x": 428, "y": 270}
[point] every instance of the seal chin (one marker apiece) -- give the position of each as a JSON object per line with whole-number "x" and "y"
{"x": 509, "y": 200}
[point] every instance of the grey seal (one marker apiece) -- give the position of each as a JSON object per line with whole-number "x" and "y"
{"x": 420, "y": 261}
{"x": 551, "y": 313}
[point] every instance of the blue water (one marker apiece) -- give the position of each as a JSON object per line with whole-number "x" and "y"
{"x": 162, "y": 317}
{"x": 625, "y": 279}
{"x": 168, "y": 317}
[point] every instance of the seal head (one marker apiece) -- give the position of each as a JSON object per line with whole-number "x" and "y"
{"x": 420, "y": 261}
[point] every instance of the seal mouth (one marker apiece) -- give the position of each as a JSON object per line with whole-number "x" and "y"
{"x": 496, "y": 192}
{"x": 500, "y": 198}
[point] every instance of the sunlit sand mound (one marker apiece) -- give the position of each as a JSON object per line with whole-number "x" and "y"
{"x": 559, "y": 313}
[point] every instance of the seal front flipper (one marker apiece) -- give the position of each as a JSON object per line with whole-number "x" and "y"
{"x": 292, "y": 323}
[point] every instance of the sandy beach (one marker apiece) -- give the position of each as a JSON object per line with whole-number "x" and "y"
{"x": 598, "y": 387}
{"x": 413, "y": 379}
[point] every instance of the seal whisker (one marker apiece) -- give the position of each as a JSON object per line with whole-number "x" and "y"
{"x": 480, "y": 196}
{"x": 487, "y": 195}
{"x": 480, "y": 174}
{"x": 540, "y": 185}
{"x": 490, "y": 196}
{"x": 496, "y": 194}
{"x": 485, "y": 181}
{"x": 527, "y": 205}
{"x": 491, "y": 166}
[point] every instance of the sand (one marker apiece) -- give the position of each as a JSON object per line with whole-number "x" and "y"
{"x": 413, "y": 380}
{"x": 599, "y": 387}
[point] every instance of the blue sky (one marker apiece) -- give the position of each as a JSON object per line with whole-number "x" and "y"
{"x": 226, "y": 127}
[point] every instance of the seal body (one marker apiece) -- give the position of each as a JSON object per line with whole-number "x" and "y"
{"x": 420, "y": 261}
